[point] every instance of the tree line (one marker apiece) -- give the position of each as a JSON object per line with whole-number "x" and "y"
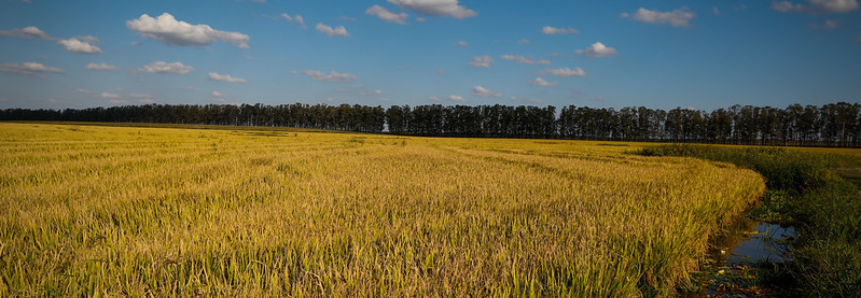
{"x": 834, "y": 124}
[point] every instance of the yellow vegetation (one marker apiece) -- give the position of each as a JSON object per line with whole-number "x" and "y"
{"x": 134, "y": 211}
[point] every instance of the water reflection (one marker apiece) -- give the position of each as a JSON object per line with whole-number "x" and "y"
{"x": 767, "y": 242}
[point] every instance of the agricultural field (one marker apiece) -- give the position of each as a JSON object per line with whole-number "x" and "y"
{"x": 166, "y": 212}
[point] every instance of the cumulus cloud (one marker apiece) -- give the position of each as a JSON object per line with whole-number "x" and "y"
{"x": 337, "y": 31}
{"x": 526, "y": 100}
{"x": 176, "y": 68}
{"x": 785, "y": 6}
{"x": 168, "y": 30}
{"x": 565, "y": 72}
{"x": 816, "y": 6}
{"x": 100, "y": 66}
{"x": 481, "y": 61}
{"x": 110, "y": 95}
{"x": 225, "y": 78}
{"x": 386, "y": 15}
{"x": 217, "y": 94}
{"x": 525, "y": 60}
{"x": 333, "y": 76}
{"x": 79, "y": 46}
{"x": 27, "y": 32}
{"x": 483, "y": 92}
{"x": 677, "y": 18}
{"x": 597, "y": 50}
{"x": 462, "y": 43}
{"x": 556, "y": 31}
{"x": 541, "y": 82}
{"x": 296, "y": 18}
{"x": 29, "y": 69}
{"x": 436, "y": 8}
{"x": 456, "y": 98}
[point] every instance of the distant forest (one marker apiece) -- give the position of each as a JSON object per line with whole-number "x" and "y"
{"x": 835, "y": 124}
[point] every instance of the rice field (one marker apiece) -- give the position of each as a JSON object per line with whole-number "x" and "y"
{"x": 178, "y": 212}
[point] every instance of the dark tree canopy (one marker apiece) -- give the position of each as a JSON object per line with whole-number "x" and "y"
{"x": 835, "y": 124}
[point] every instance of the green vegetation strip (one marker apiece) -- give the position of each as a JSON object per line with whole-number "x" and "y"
{"x": 806, "y": 190}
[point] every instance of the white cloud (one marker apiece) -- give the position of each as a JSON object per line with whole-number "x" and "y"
{"x": 87, "y": 38}
{"x": 524, "y": 41}
{"x": 785, "y": 6}
{"x": 597, "y": 50}
{"x": 118, "y": 101}
{"x": 339, "y": 31}
{"x": 217, "y": 94}
{"x": 333, "y": 76}
{"x": 677, "y": 18}
{"x": 565, "y": 72}
{"x": 27, "y": 32}
{"x": 482, "y": 92}
{"x": 176, "y": 68}
{"x": 386, "y": 15}
{"x": 462, "y": 43}
{"x": 541, "y": 82}
{"x": 481, "y": 61}
{"x": 28, "y": 69}
{"x": 437, "y": 8}
{"x": 225, "y": 78}
{"x": 456, "y": 98}
{"x": 110, "y": 95}
{"x": 84, "y": 91}
{"x": 78, "y": 46}
{"x": 525, "y": 60}
{"x": 297, "y": 19}
{"x": 817, "y": 6}
{"x": 168, "y": 30}
{"x": 101, "y": 66}
{"x": 526, "y": 100}
{"x": 146, "y": 101}
{"x": 834, "y": 6}
{"x": 829, "y": 24}
{"x": 557, "y": 31}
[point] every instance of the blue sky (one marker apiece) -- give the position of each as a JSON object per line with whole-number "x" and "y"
{"x": 662, "y": 54}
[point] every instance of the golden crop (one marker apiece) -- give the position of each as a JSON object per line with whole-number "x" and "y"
{"x": 135, "y": 211}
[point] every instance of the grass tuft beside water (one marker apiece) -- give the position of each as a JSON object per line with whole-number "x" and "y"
{"x": 805, "y": 190}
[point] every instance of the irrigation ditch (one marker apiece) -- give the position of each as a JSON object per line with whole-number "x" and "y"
{"x": 803, "y": 239}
